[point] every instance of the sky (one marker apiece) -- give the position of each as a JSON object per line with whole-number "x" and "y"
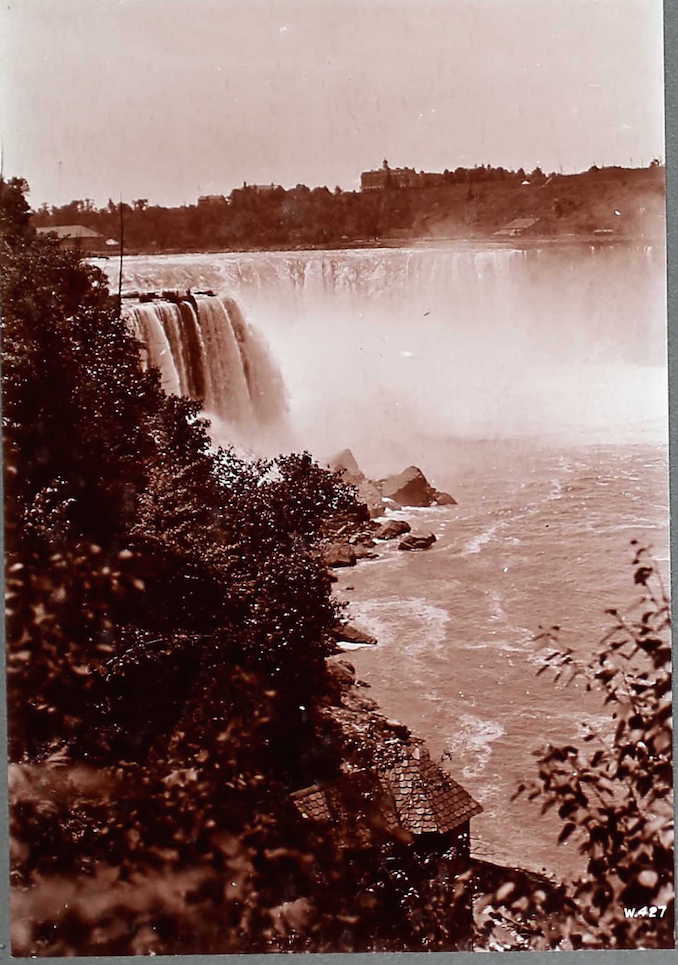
{"x": 171, "y": 99}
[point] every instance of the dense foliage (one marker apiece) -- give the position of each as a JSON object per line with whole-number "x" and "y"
{"x": 168, "y": 619}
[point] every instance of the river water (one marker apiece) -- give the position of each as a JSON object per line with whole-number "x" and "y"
{"x": 540, "y": 536}
{"x": 532, "y": 386}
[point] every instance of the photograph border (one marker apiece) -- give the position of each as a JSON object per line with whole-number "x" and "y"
{"x": 597, "y": 957}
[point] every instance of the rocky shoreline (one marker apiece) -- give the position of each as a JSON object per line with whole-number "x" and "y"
{"x": 348, "y": 539}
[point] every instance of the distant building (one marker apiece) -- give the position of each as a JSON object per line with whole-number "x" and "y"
{"x": 388, "y": 177}
{"x": 252, "y": 190}
{"x": 259, "y": 188}
{"x": 398, "y": 178}
{"x": 75, "y": 236}
{"x": 211, "y": 200}
{"x": 517, "y": 227}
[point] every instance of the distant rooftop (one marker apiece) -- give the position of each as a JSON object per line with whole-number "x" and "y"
{"x": 518, "y": 226}
{"x": 69, "y": 231}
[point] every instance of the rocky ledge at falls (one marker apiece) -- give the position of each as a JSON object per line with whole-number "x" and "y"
{"x": 407, "y": 488}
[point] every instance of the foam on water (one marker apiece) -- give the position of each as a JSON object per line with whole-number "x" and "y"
{"x": 412, "y": 624}
{"x": 475, "y": 737}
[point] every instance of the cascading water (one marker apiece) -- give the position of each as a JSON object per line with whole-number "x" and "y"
{"x": 394, "y": 352}
{"x": 204, "y": 349}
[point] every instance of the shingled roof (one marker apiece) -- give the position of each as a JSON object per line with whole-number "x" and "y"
{"x": 69, "y": 231}
{"x": 518, "y": 226}
{"x": 426, "y": 798}
{"x": 410, "y": 793}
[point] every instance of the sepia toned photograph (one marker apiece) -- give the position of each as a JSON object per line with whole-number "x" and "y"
{"x": 335, "y": 451}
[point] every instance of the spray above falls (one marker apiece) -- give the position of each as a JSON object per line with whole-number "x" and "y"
{"x": 395, "y": 352}
{"x": 205, "y": 349}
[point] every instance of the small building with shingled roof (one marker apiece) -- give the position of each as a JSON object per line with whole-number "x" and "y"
{"x": 75, "y": 236}
{"x": 407, "y": 795}
{"x": 518, "y": 227}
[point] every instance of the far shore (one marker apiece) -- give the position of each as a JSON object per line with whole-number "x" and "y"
{"x": 521, "y": 242}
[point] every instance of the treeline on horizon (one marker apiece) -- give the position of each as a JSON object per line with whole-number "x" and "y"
{"x": 467, "y": 201}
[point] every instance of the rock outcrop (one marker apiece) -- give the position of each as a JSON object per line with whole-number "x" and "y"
{"x": 347, "y": 633}
{"x": 407, "y": 488}
{"x": 350, "y": 537}
{"x": 345, "y": 463}
{"x": 411, "y": 488}
{"x": 339, "y": 554}
{"x": 417, "y": 541}
{"x": 392, "y": 528}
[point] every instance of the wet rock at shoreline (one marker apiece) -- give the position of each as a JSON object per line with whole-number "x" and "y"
{"x": 443, "y": 499}
{"x": 392, "y": 528}
{"x": 347, "y": 633}
{"x": 417, "y": 541}
{"x": 362, "y": 539}
{"x": 339, "y": 554}
{"x": 411, "y": 488}
{"x": 341, "y": 672}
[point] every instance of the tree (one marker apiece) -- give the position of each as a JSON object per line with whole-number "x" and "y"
{"x": 15, "y": 211}
{"x": 168, "y": 620}
{"x": 616, "y": 797}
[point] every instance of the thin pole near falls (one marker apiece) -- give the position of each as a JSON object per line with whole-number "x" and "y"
{"x": 122, "y": 249}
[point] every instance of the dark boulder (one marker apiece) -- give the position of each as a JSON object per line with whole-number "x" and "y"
{"x": 347, "y": 633}
{"x": 409, "y": 488}
{"x": 339, "y": 554}
{"x": 345, "y": 463}
{"x": 341, "y": 672}
{"x": 392, "y": 528}
{"x": 443, "y": 499}
{"x": 417, "y": 541}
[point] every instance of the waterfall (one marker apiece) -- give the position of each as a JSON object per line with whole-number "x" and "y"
{"x": 392, "y": 352}
{"x": 205, "y": 349}
{"x": 147, "y": 325}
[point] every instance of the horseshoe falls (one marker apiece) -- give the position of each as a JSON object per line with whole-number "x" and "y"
{"x": 394, "y": 352}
